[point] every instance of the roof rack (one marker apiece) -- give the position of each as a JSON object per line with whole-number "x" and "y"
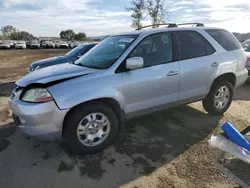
{"x": 157, "y": 25}
{"x": 195, "y": 24}
{"x": 169, "y": 25}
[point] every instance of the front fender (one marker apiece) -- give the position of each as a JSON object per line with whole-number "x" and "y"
{"x": 76, "y": 98}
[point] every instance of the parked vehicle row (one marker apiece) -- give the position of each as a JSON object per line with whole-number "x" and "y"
{"x": 85, "y": 102}
{"x": 8, "y": 44}
{"x": 69, "y": 57}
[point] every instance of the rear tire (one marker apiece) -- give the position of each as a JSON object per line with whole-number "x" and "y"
{"x": 78, "y": 117}
{"x": 211, "y": 102}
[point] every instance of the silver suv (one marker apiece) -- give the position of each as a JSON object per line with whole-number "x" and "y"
{"x": 127, "y": 75}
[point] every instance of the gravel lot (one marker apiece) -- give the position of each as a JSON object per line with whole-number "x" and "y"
{"x": 165, "y": 149}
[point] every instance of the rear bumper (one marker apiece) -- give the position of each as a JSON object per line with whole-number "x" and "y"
{"x": 241, "y": 77}
{"x": 41, "y": 120}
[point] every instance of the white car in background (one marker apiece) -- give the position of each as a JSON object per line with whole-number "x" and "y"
{"x": 50, "y": 44}
{"x": 246, "y": 47}
{"x": 57, "y": 43}
{"x": 34, "y": 44}
{"x": 63, "y": 44}
{"x": 5, "y": 44}
{"x": 21, "y": 45}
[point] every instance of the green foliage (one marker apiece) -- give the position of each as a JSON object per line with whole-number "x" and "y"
{"x": 8, "y": 31}
{"x": 138, "y": 10}
{"x": 67, "y": 34}
{"x": 156, "y": 11}
{"x": 81, "y": 36}
{"x": 12, "y": 33}
{"x": 142, "y": 9}
{"x": 71, "y": 35}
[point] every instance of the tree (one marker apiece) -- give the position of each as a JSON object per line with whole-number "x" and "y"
{"x": 8, "y": 31}
{"x": 81, "y": 36}
{"x": 22, "y": 35}
{"x": 155, "y": 9}
{"x": 137, "y": 8}
{"x": 147, "y": 8}
{"x": 67, "y": 34}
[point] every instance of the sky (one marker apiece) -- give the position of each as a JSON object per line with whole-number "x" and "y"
{"x": 102, "y": 17}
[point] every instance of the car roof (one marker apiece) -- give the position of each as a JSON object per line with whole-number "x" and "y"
{"x": 163, "y": 29}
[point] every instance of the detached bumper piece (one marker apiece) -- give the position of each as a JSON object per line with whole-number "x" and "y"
{"x": 232, "y": 159}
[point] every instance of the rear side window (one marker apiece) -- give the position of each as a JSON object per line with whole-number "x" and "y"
{"x": 191, "y": 44}
{"x": 224, "y": 38}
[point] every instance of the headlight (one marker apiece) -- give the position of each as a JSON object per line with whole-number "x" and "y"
{"x": 37, "y": 95}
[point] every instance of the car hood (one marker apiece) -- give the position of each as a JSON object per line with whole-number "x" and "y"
{"x": 54, "y": 73}
{"x": 50, "y": 60}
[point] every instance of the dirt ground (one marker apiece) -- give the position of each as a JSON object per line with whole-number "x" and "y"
{"x": 165, "y": 149}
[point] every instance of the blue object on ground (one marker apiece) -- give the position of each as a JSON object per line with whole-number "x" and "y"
{"x": 235, "y": 136}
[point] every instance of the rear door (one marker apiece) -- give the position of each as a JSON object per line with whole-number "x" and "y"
{"x": 198, "y": 64}
{"x": 157, "y": 83}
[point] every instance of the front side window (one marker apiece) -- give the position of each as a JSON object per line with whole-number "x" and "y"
{"x": 190, "y": 44}
{"x": 155, "y": 49}
{"x": 107, "y": 52}
{"x": 246, "y": 46}
{"x": 224, "y": 38}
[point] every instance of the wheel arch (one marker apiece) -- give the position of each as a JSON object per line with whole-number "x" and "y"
{"x": 111, "y": 102}
{"x": 231, "y": 77}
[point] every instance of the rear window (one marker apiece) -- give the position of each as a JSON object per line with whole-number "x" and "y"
{"x": 224, "y": 38}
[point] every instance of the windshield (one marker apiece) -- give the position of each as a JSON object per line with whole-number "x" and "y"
{"x": 246, "y": 46}
{"x": 20, "y": 42}
{"x": 107, "y": 52}
{"x": 74, "y": 51}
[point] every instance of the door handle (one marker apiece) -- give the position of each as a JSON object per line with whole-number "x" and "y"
{"x": 172, "y": 73}
{"x": 215, "y": 64}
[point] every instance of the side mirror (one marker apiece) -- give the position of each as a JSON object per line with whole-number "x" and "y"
{"x": 134, "y": 63}
{"x": 78, "y": 56}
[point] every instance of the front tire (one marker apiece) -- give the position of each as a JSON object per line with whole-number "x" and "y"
{"x": 219, "y": 98}
{"x": 90, "y": 128}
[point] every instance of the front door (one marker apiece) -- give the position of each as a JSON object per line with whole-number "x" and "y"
{"x": 157, "y": 83}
